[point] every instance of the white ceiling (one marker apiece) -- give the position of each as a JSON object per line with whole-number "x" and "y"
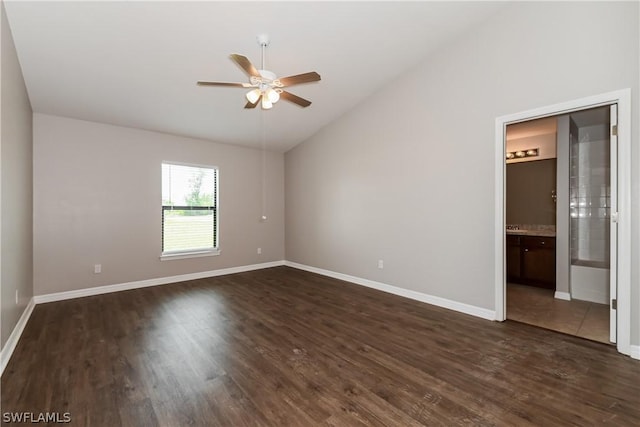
{"x": 548, "y": 125}
{"x": 545, "y": 126}
{"x": 136, "y": 63}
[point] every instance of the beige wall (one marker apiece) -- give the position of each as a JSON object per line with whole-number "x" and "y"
{"x": 408, "y": 176}
{"x": 97, "y": 193}
{"x": 16, "y": 186}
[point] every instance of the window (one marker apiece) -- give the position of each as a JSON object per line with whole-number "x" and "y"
{"x": 189, "y": 210}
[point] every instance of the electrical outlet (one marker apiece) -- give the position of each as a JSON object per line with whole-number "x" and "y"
{"x": 97, "y": 269}
{"x": 17, "y": 299}
{"x": 259, "y": 251}
{"x": 380, "y": 264}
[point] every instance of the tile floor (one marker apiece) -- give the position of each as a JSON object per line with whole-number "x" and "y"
{"x": 537, "y": 306}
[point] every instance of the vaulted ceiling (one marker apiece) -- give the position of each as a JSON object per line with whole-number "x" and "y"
{"x": 136, "y": 63}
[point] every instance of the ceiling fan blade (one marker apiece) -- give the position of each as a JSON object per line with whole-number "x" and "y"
{"x": 300, "y": 78}
{"x": 245, "y": 64}
{"x": 225, "y": 84}
{"x": 295, "y": 99}
{"x": 250, "y": 105}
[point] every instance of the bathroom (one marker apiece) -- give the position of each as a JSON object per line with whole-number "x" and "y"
{"x": 558, "y": 214}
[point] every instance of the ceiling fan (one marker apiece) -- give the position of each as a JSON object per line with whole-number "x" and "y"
{"x": 267, "y": 87}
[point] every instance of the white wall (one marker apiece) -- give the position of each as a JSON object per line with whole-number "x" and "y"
{"x": 97, "y": 199}
{"x": 16, "y": 186}
{"x": 408, "y": 176}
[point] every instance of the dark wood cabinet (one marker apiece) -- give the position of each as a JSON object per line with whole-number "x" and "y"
{"x": 531, "y": 260}
{"x": 513, "y": 258}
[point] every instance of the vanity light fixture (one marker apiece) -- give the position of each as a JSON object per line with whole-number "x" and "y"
{"x": 521, "y": 154}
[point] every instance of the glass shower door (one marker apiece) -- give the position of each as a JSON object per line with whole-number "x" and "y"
{"x": 592, "y": 195}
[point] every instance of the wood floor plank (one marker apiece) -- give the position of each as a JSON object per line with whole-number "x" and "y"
{"x": 280, "y": 347}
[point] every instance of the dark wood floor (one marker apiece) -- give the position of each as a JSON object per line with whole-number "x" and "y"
{"x": 285, "y": 347}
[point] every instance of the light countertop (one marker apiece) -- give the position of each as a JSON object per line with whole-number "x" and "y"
{"x": 538, "y": 233}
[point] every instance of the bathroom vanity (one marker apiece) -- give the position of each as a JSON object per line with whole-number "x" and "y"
{"x": 531, "y": 258}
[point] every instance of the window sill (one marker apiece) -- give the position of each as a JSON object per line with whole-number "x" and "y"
{"x": 185, "y": 255}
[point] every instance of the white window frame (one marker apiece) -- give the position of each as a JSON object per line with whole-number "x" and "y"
{"x": 197, "y": 253}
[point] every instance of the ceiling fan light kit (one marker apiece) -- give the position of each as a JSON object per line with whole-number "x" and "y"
{"x": 272, "y": 95}
{"x": 253, "y": 95}
{"x": 266, "y": 86}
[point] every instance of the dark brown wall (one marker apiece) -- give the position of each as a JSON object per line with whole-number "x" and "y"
{"x": 529, "y": 187}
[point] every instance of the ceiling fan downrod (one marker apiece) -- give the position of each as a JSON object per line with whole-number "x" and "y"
{"x": 263, "y": 41}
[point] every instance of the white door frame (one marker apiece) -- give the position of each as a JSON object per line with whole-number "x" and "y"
{"x": 613, "y": 223}
{"x": 623, "y": 99}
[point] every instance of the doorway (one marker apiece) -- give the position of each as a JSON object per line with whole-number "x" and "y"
{"x": 619, "y": 218}
{"x": 559, "y": 183}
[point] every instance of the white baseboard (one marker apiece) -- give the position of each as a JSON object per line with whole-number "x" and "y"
{"x": 59, "y": 296}
{"x": 418, "y": 296}
{"x": 562, "y": 295}
{"x": 7, "y": 350}
{"x": 11, "y": 343}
